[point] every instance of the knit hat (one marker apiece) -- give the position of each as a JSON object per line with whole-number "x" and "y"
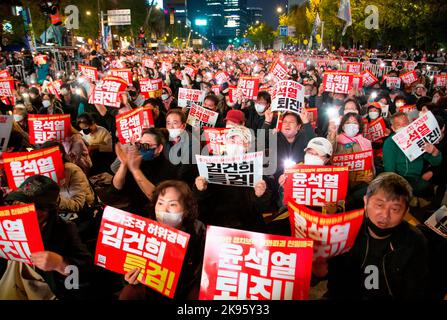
{"x": 236, "y": 116}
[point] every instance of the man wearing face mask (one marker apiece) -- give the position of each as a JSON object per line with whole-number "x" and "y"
{"x": 142, "y": 167}
{"x": 256, "y": 116}
{"x": 389, "y": 258}
{"x": 20, "y": 116}
{"x": 396, "y": 161}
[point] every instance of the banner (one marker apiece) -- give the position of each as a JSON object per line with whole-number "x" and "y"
{"x": 124, "y": 73}
{"x": 6, "y": 87}
{"x": 412, "y": 139}
{"x": 191, "y": 71}
{"x": 288, "y": 96}
{"x": 406, "y": 108}
{"x": 187, "y": 97}
{"x": 393, "y": 83}
{"x": 249, "y": 87}
{"x": 107, "y": 92}
{"x": 44, "y": 128}
{"x": 438, "y": 222}
{"x": 440, "y": 81}
{"x": 369, "y": 79}
{"x": 215, "y": 140}
{"x": 127, "y": 241}
{"x": 409, "y": 77}
{"x": 337, "y": 82}
{"x": 5, "y": 74}
{"x": 132, "y": 123}
{"x": 199, "y": 117}
{"x": 243, "y": 265}
{"x": 361, "y": 163}
{"x": 221, "y": 77}
{"x": 241, "y": 171}
{"x": 354, "y": 67}
{"x": 151, "y": 88}
{"x": 278, "y": 71}
{"x": 5, "y": 131}
{"x": 376, "y": 130}
{"x": 332, "y": 234}
{"x": 21, "y": 165}
{"x": 19, "y": 233}
{"x": 313, "y": 116}
{"x": 90, "y": 73}
{"x": 315, "y": 185}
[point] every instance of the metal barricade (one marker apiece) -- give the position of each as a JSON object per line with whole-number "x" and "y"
{"x": 17, "y": 70}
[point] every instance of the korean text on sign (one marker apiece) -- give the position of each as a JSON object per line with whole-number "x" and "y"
{"x": 243, "y": 265}
{"x": 360, "y": 164}
{"x": 44, "y": 128}
{"x": 132, "y": 123}
{"x": 199, "y": 116}
{"x": 278, "y": 71}
{"x": 6, "y": 87}
{"x": 107, "y": 92}
{"x": 421, "y": 131}
{"x": 376, "y": 130}
{"x": 215, "y": 140}
{"x": 315, "y": 185}
{"x": 19, "y": 233}
{"x": 332, "y": 234}
{"x": 288, "y": 96}
{"x": 90, "y": 73}
{"x": 125, "y": 74}
{"x": 242, "y": 171}
{"x": 186, "y": 97}
{"x": 369, "y": 79}
{"x": 337, "y": 82}
{"x": 127, "y": 241}
{"x": 249, "y": 87}
{"x": 21, "y": 165}
{"x": 151, "y": 88}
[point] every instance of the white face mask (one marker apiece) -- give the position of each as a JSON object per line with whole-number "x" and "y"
{"x": 234, "y": 150}
{"x": 259, "y": 107}
{"x": 164, "y": 97}
{"x": 310, "y": 159}
{"x": 373, "y": 115}
{"x": 173, "y": 220}
{"x": 46, "y": 103}
{"x": 351, "y": 129}
{"x": 199, "y": 80}
{"x": 174, "y": 133}
{"x": 18, "y": 117}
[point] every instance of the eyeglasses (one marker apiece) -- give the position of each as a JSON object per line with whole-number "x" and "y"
{"x": 144, "y": 146}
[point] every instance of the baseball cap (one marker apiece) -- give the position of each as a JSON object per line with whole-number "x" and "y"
{"x": 321, "y": 145}
{"x": 236, "y": 116}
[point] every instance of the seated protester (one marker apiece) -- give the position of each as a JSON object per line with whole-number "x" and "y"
{"x": 169, "y": 101}
{"x": 72, "y": 103}
{"x": 396, "y": 161}
{"x": 418, "y": 91}
{"x": 50, "y": 105}
{"x": 385, "y": 102}
{"x": 349, "y": 139}
{"x": 179, "y": 150}
{"x": 99, "y": 143}
{"x": 256, "y": 115}
{"x": 20, "y": 116}
{"x": 295, "y": 134}
{"x": 211, "y": 102}
{"x": 35, "y": 99}
{"x": 234, "y": 118}
{"x": 135, "y": 98}
{"x": 233, "y": 206}
{"x": 142, "y": 167}
{"x": 61, "y": 241}
{"x": 350, "y": 105}
{"x": 175, "y": 206}
{"x": 77, "y": 151}
{"x": 389, "y": 256}
{"x": 156, "y": 105}
{"x": 326, "y": 103}
{"x": 76, "y": 195}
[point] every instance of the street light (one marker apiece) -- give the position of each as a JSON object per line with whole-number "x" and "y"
{"x": 257, "y": 21}
{"x": 88, "y": 13}
{"x": 279, "y": 9}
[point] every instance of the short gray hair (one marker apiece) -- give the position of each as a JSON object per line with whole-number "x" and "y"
{"x": 393, "y": 185}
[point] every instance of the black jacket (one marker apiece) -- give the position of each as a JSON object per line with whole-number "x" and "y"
{"x": 404, "y": 266}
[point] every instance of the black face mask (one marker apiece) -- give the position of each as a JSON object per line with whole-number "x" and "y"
{"x": 379, "y": 231}
{"x": 86, "y": 131}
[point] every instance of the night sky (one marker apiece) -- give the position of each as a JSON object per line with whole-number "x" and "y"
{"x": 269, "y": 6}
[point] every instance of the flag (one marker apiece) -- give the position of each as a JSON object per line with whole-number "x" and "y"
{"x": 317, "y": 23}
{"x": 344, "y": 13}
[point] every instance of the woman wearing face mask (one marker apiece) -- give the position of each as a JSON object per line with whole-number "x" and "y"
{"x": 169, "y": 101}
{"x": 143, "y": 165}
{"x": 176, "y": 207}
{"x": 50, "y": 105}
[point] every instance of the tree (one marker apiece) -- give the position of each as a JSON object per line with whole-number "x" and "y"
{"x": 261, "y": 35}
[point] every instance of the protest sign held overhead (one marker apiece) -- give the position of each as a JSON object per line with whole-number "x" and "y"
{"x": 199, "y": 117}
{"x": 288, "y": 96}
{"x": 187, "y": 97}
{"x": 107, "y": 92}
{"x": 132, "y": 123}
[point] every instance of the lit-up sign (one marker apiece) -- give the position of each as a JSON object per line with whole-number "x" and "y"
{"x": 201, "y": 22}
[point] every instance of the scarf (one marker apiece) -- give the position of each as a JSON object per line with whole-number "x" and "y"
{"x": 364, "y": 143}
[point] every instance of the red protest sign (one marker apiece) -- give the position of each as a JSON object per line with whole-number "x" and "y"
{"x": 107, "y": 92}
{"x": 148, "y": 63}
{"x": 187, "y": 97}
{"x": 247, "y": 265}
{"x": 232, "y": 94}
{"x": 151, "y": 88}
{"x": 130, "y": 124}
{"x": 354, "y": 67}
{"x": 90, "y": 73}
{"x": 21, "y": 165}
{"x": 55, "y": 127}
{"x": 278, "y": 70}
{"x": 249, "y": 87}
{"x": 393, "y": 82}
{"x": 313, "y": 116}
{"x": 54, "y": 87}
{"x": 6, "y": 87}
{"x": 19, "y": 233}
{"x": 369, "y": 78}
{"x": 199, "y": 116}
{"x": 376, "y": 129}
{"x": 127, "y": 241}
{"x": 125, "y": 74}
{"x": 407, "y": 108}
{"x": 409, "y": 77}
{"x": 409, "y": 65}
{"x": 440, "y": 81}
{"x": 337, "y": 82}
{"x": 4, "y": 74}
{"x": 9, "y": 101}
{"x": 332, "y": 234}
{"x": 216, "y": 89}
{"x": 315, "y": 185}
{"x": 221, "y": 77}
{"x": 300, "y": 65}
{"x": 359, "y": 162}
{"x": 40, "y": 59}
{"x": 215, "y": 140}
{"x": 288, "y": 96}
{"x": 191, "y": 71}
